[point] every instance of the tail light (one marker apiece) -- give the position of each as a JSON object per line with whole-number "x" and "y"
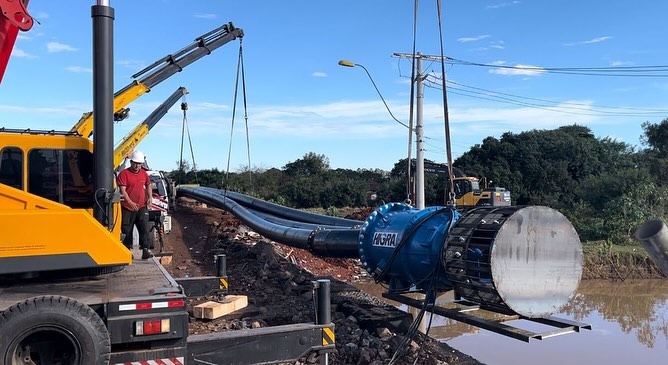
{"x": 152, "y": 327}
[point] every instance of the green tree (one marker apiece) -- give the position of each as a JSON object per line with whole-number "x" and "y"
{"x": 311, "y": 164}
{"x": 656, "y": 137}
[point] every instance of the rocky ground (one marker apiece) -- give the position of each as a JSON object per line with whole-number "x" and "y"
{"x": 277, "y": 280}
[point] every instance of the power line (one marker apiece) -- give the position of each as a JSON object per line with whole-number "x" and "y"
{"x": 551, "y": 105}
{"x": 612, "y": 71}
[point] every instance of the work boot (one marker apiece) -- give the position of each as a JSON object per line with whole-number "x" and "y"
{"x": 146, "y": 254}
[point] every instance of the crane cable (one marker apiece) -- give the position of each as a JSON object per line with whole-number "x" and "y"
{"x": 184, "y": 128}
{"x": 241, "y": 73}
{"x": 446, "y": 118}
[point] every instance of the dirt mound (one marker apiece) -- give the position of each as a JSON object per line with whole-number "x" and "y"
{"x": 278, "y": 282}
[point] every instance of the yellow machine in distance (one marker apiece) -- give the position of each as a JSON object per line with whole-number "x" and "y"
{"x": 469, "y": 190}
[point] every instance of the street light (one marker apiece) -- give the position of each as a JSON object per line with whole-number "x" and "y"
{"x": 346, "y": 63}
{"x": 419, "y": 133}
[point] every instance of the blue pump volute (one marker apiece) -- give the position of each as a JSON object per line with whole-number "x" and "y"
{"x": 401, "y": 245}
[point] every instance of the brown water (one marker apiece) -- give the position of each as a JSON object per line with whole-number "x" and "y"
{"x": 629, "y": 326}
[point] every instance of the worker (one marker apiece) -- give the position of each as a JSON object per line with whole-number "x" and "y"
{"x": 135, "y": 186}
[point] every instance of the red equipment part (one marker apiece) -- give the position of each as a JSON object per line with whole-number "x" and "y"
{"x": 14, "y": 17}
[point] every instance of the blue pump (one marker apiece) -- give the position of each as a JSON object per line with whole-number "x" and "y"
{"x": 402, "y": 245}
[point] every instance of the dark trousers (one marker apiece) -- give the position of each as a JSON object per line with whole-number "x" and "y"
{"x": 129, "y": 219}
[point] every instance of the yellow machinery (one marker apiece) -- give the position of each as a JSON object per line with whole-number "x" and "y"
{"x": 46, "y": 184}
{"x": 53, "y": 172}
{"x": 159, "y": 71}
{"x": 469, "y": 190}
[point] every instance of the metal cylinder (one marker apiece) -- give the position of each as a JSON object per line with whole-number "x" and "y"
{"x": 653, "y": 235}
{"x": 103, "y": 111}
{"x": 221, "y": 265}
{"x": 323, "y": 302}
{"x": 524, "y": 260}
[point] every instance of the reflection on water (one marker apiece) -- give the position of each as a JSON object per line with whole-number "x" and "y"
{"x": 629, "y": 320}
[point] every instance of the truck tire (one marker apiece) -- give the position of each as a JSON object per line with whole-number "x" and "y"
{"x": 53, "y": 330}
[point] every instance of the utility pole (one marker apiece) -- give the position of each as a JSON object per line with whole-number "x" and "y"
{"x": 419, "y": 129}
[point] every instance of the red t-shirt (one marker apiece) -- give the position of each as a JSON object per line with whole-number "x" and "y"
{"x": 135, "y": 185}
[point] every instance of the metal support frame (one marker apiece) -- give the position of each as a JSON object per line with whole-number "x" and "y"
{"x": 460, "y": 312}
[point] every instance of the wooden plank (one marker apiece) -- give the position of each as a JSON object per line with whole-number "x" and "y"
{"x": 213, "y": 310}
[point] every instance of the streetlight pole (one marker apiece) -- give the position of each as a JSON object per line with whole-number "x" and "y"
{"x": 346, "y": 63}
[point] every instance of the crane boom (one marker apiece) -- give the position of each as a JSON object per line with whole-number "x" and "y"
{"x": 13, "y": 17}
{"x": 132, "y": 139}
{"x": 161, "y": 70}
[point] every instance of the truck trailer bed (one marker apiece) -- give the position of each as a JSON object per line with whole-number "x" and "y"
{"x": 143, "y": 279}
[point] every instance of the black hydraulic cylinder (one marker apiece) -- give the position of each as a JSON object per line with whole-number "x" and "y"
{"x": 103, "y": 111}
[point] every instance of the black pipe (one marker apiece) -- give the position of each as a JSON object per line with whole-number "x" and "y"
{"x": 285, "y": 212}
{"x": 103, "y": 111}
{"x": 294, "y": 237}
{"x": 288, "y": 223}
{"x": 327, "y": 242}
{"x": 341, "y": 243}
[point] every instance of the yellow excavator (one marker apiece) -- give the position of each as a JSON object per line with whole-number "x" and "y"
{"x": 469, "y": 190}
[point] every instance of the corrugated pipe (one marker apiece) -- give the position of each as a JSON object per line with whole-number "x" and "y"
{"x": 653, "y": 235}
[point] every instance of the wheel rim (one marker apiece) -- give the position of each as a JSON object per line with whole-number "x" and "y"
{"x": 45, "y": 345}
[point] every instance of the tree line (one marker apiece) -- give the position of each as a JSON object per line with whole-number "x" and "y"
{"x": 605, "y": 187}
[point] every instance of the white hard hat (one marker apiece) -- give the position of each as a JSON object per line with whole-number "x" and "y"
{"x": 137, "y": 157}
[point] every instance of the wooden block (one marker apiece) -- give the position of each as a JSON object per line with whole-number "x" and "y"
{"x": 213, "y": 310}
{"x": 165, "y": 260}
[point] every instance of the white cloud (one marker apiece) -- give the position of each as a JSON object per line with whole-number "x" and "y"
{"x": 526, "y": 70}
{"x": 319, "y": 74}
{"x": 40, "y": 15}
{"x": 17, "y": 52}
{"x": 205, "y": 16}
{"x": 597, "y": 40}
{"x": 38, "y": 110}
{"x": 472, "y": 39}
{"x": 620, "y": 63}
{"x": 78, "y": 69}
{"x": 497, "y": 45}
{"x": 502, "y": 5}
{"x": 54, "y": 47}
{"x": 131, "y": 64}
{"x": 490, "y": 120}
{"x": 590, "y": 41}
{"x": 213, "y": 106}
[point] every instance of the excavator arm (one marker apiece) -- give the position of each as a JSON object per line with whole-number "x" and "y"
{"x": 132, "y": 139}
{"x": 13, "y": 17}
{"x": 161, "y": 70}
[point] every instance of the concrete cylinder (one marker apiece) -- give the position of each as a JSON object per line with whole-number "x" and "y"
{"x": 653, "y": 235}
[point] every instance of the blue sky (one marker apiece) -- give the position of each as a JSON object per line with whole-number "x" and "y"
{"x": 300, "y": 100}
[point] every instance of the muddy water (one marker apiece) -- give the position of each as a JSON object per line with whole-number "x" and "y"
{"x": 629, "y": 326}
